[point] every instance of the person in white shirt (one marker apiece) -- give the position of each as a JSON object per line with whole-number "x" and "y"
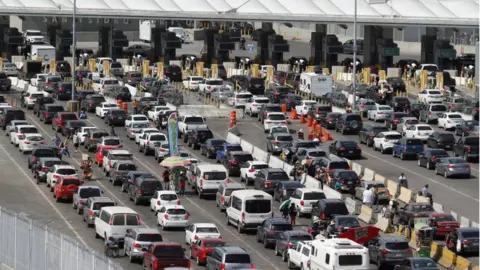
{"x": 368, "y": 196}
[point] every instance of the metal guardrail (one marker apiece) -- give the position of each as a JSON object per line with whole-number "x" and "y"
{"x": 26, "y": 244}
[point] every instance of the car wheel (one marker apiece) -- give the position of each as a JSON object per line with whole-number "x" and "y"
{"x": 436, "y": 171}
{"x": 284, "y": 256}
{"x": 402, "y": 157}
{"x": 445, "y": 174}
{"x": 419, "y": 163}
{"x": 465, "y": 156}
{"x": 428, "y": 165}
{"x": 277, "y": 253}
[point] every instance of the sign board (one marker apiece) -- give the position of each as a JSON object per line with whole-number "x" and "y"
{"x": 447, "y": 53}
{"x": 145, "y": 30}
{"x": 391, "y": 51}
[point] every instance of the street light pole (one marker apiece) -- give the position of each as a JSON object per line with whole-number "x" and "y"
{"x": 74, "y": 47}
{"x": 354, "y": 75}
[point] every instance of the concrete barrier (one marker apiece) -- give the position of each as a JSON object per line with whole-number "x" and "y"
{"x": 454, "y": 215}
{"x": 435, "y": 251}
{"x": 21, "y": 85}
{"x": 232, "y": 138}
{"x": 246, "y": 146}
{"x": 368, "y": 175}
{"x": 405, "y": 195}
{"x": 392, "y": 187}
{"x": 275, "y": 162}
{"x": 462, "y": 264}
{"x": 14, "y": 81}
{"x": 381, "y": 178}
{"x": 383, "y": 224}
{"x": 464, "y": 222}
{"x": 447, "y": 259}
{"x": 438, "y": 207}
{"x": 287, "y": 168}
{"x": 366, "y": 214}
{"x": 475, "y": 224}
{"x": 331, "y": 193}
{"x": 357, "y": 168}
{"x": 338, "y": 110}
{"x": 259, "y": 154}
{"x": 353, "y": 206}
{"x": 422, "y": 199}
{"x": 311, "y": 182}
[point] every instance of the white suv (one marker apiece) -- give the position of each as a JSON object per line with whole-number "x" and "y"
{"x": 305, "y": 198}
{"x": 249, "y": 169}
{"x": 58, "y": 171}
{"x": 274, "y": 119}
{"x": 253, "y": 105}
{"x": 239, "y": 99}
{"x": 104, "y": 107}
{"x": 385, "y": 140}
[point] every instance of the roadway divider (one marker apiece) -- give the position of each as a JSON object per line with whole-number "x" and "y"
{"x": 405, "y": 195}
{"x": 14, "y": 81}
{"x": 357, "y": 168}
{"x": 422, "y": 199}
{"x": 353, "y": 206}
{"x": 464, "y": 222}
{"x": 381, "y": 178}
{"x": 232, "y": 138}
{"x": 331, "y": 193}
{"x": 368, "y": 175}
{"x": 287, "y": 168}
{"x": 274, "y": 162}
{"x": 310, "y": 182}
{"x": 246, "y": 146}
{"x": 259, "y": 154}
{"x": 462, "y": 264}
{"x": 437, "y": 207}
{"x": 447, "y": 258}
{"x": 384, "y": 224}
{"x": 366, "y": 214}
{"x": 392, "y": 187}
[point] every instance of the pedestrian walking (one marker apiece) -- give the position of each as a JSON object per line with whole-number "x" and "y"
{"x": 65, "y": 151}
{"x": 367, "y": 197}
{"x": 183, "y": 180}
{"x": 285, "y": 211}
{"x": 112, "y": 130}
{"x": 76, "y": 142}
{"x": 293, "y": 214}
{"x": 134, "y": 105}
{"x": 56, "y": 140}
{"x": 375, "y": 198}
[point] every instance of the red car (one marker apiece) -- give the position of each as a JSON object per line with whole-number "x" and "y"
{"x": 101, "y": 152}
{"x": 61, "y": 118}
{"x": 445, "y": 222}
{"x": 203, "y": 247}
{"x": 65, "y": 187}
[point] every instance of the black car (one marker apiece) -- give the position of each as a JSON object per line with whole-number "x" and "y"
{"x": 71, "y": 127}
{"x": 393, "y": 119}
{"x": 161, "y": 121}
{"x": 173, "y": 72}
{"x": 410, "y": 211}
{"x": 132, "y": 177}
{"x": 48, "y": 111}
{"x": 39, "y": 102}
{"x": 326, "y": 209}
{"x": 466, "y": 147}
{"x": 430, "y": 157}
{"x": 468, "y": 238}
{"x": 239, "y": 81}
{"x": 270, "y": 229}
{"x": 349, "y": 122}
{"x": 348, "y": 180}
{"x": 256, "y": 86}
{"x": 9, "y": 114}
{"x": 439, "y": 139}
{"x": 81, "y": 94}
{"x": 396, "y": 84}
{"x": 400, "y": 104}
{"x": 319, "y": 111}
{"x": 330, "y": 120}
{"x": 266, "y": 108}
{"x": 143, "y": 189}
{"x": 276, "y": 93}
{"x": 284, "y": 189}
{"x": 465, "y": 127}
{"x": 288, "y": 240}
{"x": 62, "y": 91}
{"x": 345, "y": 222}
{"x": 116, "y": 117}
{"x": 234, "y": 160}
{"x": 209, "y": 147}
{"x": 369, "y": 131}
{"x": 197, "y": 137}
{"x": 266, "y": 179}
{"x": 90, "y": 102}
{"x": 348, "y": 149}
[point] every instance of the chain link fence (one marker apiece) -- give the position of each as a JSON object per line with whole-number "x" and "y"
{"x": 26, "y": 244}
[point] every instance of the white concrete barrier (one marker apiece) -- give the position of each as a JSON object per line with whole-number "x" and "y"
{"x": 232, "y": 138}
{"x": 259, "y": 154}
{"x": 287, "y": 168}
{"x": 475, "y": 224}
{"x": 14, "y": 81}
{"x": 438, "y": 207}
{"x": 357, "y": 168}
{"x": 454, "y": 215}
{"x": 21, "y": 85}
{"x": 353, "y": 206}
{"x": 368, "y": 175}
{"x": 366, "y": 214}
{"x": 133, "y": 90}
{"x": 464, "y": 222}
{"x": 331, "y": 193}
{"x": 310, "y": 182}
{"x": 383, "y": 223}
{"x": 246, "y": 146}
{"x": 380, "y": 178}
{"x": 275, "y": 162}
{"x": 338, "y": 110}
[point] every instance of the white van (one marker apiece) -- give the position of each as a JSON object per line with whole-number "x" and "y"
{"x": 114, "y": 221}
{"x": 317, "y": 84}
{"x": 208, "y": 177}
{"x": 247, "y": 209}
{"x": 338, "y": 254}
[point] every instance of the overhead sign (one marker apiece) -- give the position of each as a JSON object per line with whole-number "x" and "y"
{"x": 86, "y": 20}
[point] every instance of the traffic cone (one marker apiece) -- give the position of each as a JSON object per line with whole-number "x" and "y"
{"x": 293, "y": 114}
{"x": 302, "y": 119}
{"x": 309, "y": 121}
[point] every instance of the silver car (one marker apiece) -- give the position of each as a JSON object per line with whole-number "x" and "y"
{"x": 452, "y": 166}
{"x": 10, "y": 69}
{"x": 139, "y": 238}
{"x": 134, "y": 128}
{"x": 222, "y": 94}
{"x": 364, "y": 105}
{"x": 93, "y": 206}
{"x": 82, "y": 195}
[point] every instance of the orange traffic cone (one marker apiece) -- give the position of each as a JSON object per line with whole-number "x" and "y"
{"x": 302, "y": 119}
{"x": 293, "y": 114}
{"x": 309, "y": 121}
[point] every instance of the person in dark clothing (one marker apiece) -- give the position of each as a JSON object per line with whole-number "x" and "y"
{"x": 285, "y": 211}
{"x": 166, "y": 178}
{"x": 112, "y": 130}
{"x": 183, "y": 180}
{"x": 293, "y": 214}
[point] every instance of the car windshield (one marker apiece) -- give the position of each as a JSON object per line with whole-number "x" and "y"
{"x": 384, "y": 108}
{"x": 258, "y": 206}
{"x": 168, "y": 251}
{"x": 347, "y": 175}
{"x": 151, "y": 185}
{"x": 273, "y": 109}
{"x": 277, "y": 176}
{"x": 443, "y": 218}
{"x": 28, "y": 130}
{"x": 447, "y": 137}
{"x": 194, "y": 120}
{"x": 111, "y": 142}
{"x": 69, "y": 116}
{"x": 207, "y": 230}
{"x": 68, "y": 182}
{"x": 44, "y": 153}
{"x": 276, "y": 117}
{"x": 139, "y": 125}
{"x": 300, "y": 237}
{"x": 243, "y": 157}
{"x": 262, "y": 101}
{"x": 99, "y": 205}
{"x": 424, "y": 264}
{"x": 393, "y": 136}
{"x": 260, "y": 166}
{"x": 77, "y": 124}
{"x": 215, "y": 175}
{"x": 229, "y": 191}
{"x": 238, "y": 258}
{"x": 434, "y": 93}
{"x": 439, "y": 108}
{"x": 158, "y": 137}
{"x": 422, "y": 208}
{"x": 284, "y": 138}
{"x": 338, "y": 165}
{"x": 66, "y": 171}
{"x": 217, "y": 142}
{"x": 212, "y": 244}
{"x": 474, "y": 234}
{"x": 89, "y": 192}
{"x": 215, "y": 82}
{"x": 455, "y": 116}
{"x": 397, "y": 246}
{"x": 307, "y": 144}
{"x": 127, "y": 167}
{"x": 244, "y": 95}
{"x": 348, "y": 222}
{"x": 168, "y": 197}
{"x": 55, "y": 79}
{"x": 234, "y": 148}
{"x": 149, "y": 237}
{"x": 456, "y": 161}
{"x": 424, "y": 128}
{"x": 176, "y": 211}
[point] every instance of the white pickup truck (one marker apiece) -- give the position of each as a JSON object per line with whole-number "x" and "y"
{"x": 104, "y": 82}
{"x": 189, "y": 122}
{"x": 300, "y": 257}
{"x": 38, "y": 77}
{"x": 149, "y": 141}
{"x": 430, "y": 68}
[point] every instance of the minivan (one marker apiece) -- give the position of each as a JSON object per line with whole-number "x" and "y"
{"x": 115, "y": 221}
{"x": 248, "y": 208}
{"x": 229, "y": 258}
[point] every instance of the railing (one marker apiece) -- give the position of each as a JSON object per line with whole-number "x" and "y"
{"x": 26, "y": 244}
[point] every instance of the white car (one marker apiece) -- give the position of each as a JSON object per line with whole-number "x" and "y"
{"x": 239, "y": 99}
{"x": 192, "y": 82}
{"x": 149, "y": 141}
{"x": 449, "y": 120}
{"x": 103, "y": 108}
{"x": 162, "y": 152}
{"x": 305, "y": 198}
{"x": 143, "y": 132}
{"x": 304, "y": 106}
{"x": 429, "y": 96}
{"x": 209, "y": 84}
{"x": 14, "y": 123}
{"x": 279, "y": 129}
{"x": 58, "y": 171}
{"x": 253, "y": 105}
{"x": 82, "y": 132}
{"x": 33, "y": 36}
{"x": 162, "y": 198}
{"x": 136, "y": 118}
{"x": 380, "y": 112}
{"x": 10, "y": 69}
{"x": 405, "y": 122}
{"x": 274, "y": 119}
{"x": 249, "y": 169}
{"x": 384, "y": 140}
{"x": 19, "y": 132}
{"x": 201, "y": 230}
{"x": 172, "y": 216}
{"x": 155, "y": 111}
{"x": 31, "y": 141}
{"x": 420, "y": 131}
{"x": 30, "y": 98}
{"x": 105, "y": 82}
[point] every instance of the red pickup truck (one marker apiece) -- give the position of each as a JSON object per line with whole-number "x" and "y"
{"x": 162, "y": 255}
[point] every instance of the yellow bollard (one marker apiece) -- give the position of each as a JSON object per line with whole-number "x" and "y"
{"x": 255, "y": 69}
{"x": 145, "y": 68}
{"x": 214, "y": 71}
{"x": 106, "y": 67}
{"x": 53, "y": 66}
{"x": 159, "y": 70}
{"x": 200, "y": 69}
{"x": 423, "y": 79}
{"x": 91, "y": 64}
{"x": 1, "y": 63}
{"x": 440, "y": 80}
{"x": 366, "y": 75}
{"x": 297, "y": 35}
{"x": 309, "y": 69}
{"x": 382, "y": 74}
{"x": 326, "y": 71}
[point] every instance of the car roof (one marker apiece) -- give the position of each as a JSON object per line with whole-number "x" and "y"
{"x": 392, "y": 238}
{"x": 146, "y": 230}
{"x": 278, "y": 220}
{"x": 119, "y": 151}
{"x": 205, "y": 225}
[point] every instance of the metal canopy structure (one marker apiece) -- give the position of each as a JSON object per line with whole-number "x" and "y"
{"x": 454, "y": 13}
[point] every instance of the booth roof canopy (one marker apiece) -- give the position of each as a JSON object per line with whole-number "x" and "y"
{"x": 426, "y": 12}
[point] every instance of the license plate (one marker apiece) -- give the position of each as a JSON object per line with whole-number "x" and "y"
{"x": 120, "y": 118}
{"x": 34, "y": 144}
{"x": 351, "y": 152}
{"x": 349, "y": 182}
{"x": 447, "y": 227}
{"x": 447, "y": 146}
{"x": 398, "y": 255}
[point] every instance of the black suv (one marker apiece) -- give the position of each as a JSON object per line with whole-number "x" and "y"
{"x": 256, "y": 86}
{"x": 441, "y": 139}
{"x": 42, "y": 152}
{"x": 92, "y": 101}
{"x": 209, "y": 147}
{"x": 116, "y": 117}
{"x": 9, "y": 114}
{"x": 234, "y": 160}
{"x": 197, "y": 137}
{"x": 267, "y": 179}
{"x": 131, "y": 178}
{"x": 400, "y": 104}
{"x": 349, "y": 122}
{"x": 325, "y": 209}
{"x": 39, "y": 102}
{"x": 48, "y": 111}
{"x": 270, "y": 229}
{"x": 143, "y": 189}
{"x": 369, "y": 131}
{"x": 266, "y": 108}
{"x": 319, "y": 111}
{"x": 62, "y": 91}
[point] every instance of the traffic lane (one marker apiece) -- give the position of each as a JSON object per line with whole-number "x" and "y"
{"x": 454, "y": 194}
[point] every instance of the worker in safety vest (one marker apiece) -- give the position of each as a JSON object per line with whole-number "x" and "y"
{"x": 134, "y": 105}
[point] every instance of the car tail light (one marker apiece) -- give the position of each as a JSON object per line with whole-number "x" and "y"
{"x": 103, "y": 86}
{"x": 267, "y": 184}
{"x": 434, "y": 158}
{"x": 268, "y": 122}
{"x": 120, "y": 146}
{"x": 395, "y": 121}
{"x": 386, "y": 140}
{"x": 466, "y": 242}
{"x": 275, "y": 142}
{"x": 371, "y": 134}
{"x": 469, "y": 149}
{"x": 155, "y": 264}
{"x": 467, "y": 165}
{"x": 26, "y": 142}
{"x": 340, "y": 229}
{"x": 47, "y": 83}
{"x": 139, "y": 192}
{"x": 254, "y": 105}
{"x": 243, "y": 216}
{"x": 233, "y": 162}
{"x": 342, "y": 149}
{"x": 227, "y": 180}
{"x": 358, "y": 148}
{"x": 409, "y": 251}
{"x": 384, "y": 252}
{"x": 110, "y": 222}
{"x": 55, "y": 176}
{"x": 136, "y": 245}
{"x": 43, "y": 142}
{"x": 429, "y": 113}
{"x": 324, "y": 216}
{"x": 388, "y": 192}
{"x": 44, "y": 169}
{"x": 30, "y": 97}
{"x": 222, "y": 266}
{"x": 178, "y": 202}
{"x": 116, "y": 172}
{"x": 450, "y": 166}
{"x": 289, "y": 245}
{"x": 251, "y": 170}
{"x": 405, "y": 148}
{"x": 264, "y": 113}
{"x": 21, "y": 136}
{"x": 90, "y": 213}
{"x": 222, "y": 199}
{"x": 132, "y": 130}
{"x": 109, "y": 163}
{"x": 46, "y": 114}
{"x": 379, "y": 112}
{"x": 165, "y": 216}
{"x": 284, "y": 122}
{"x": 60, "y": 90}
{"x": 302, "y": 203}
{"x": 34, "y": 159}
{"x": 329, "y": 120}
